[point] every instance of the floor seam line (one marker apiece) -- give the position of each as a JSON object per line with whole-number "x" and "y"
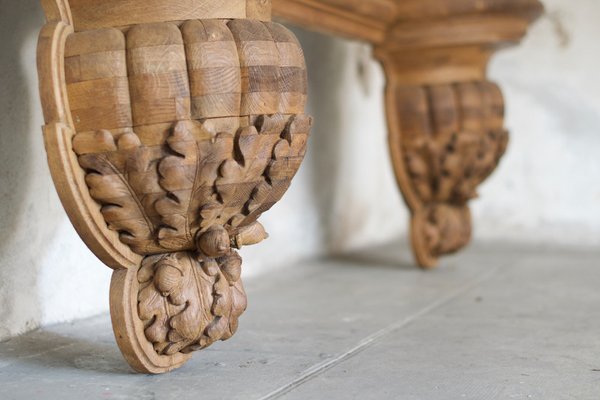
{"x": 376, "y": 337}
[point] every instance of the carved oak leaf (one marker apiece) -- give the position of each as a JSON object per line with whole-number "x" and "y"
{"x": 117, "y": 180}
{"x": 448, "y": 169}
{"x": 101, "y": 141}
{"x": 187, "y": 304}
{"x": 296, "y": 133}
{"x": 252, "y": 155}
{"x": 279, "y": 168}
{"x": 260, "y": 195}
{"x": 153, "y": 308}
{"x": 178, "y": 175}
{"x": 210, "y": 214}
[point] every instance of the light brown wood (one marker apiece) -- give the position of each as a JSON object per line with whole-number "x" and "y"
{"x": 93, "y": 14}
{"x": 356, "y": 19}
{"x": 172, "y": 126}
{"x": 444, "y": 117}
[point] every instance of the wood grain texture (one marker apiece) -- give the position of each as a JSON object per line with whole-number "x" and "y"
{"x": 92, "y": 14}
{"x": 444, "y": 117}
{"x": 451, "y": 140}
{"x": 171, "y": 127}
{"x": 446, "y": 135}
{"x": 357, "y": 19}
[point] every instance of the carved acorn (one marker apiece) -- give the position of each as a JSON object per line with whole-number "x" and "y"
{"x": 168, "y": 277}
{"x": 250, "y": 235}
{"x": 231, "y": 266}
{"x": 215, "y": 242}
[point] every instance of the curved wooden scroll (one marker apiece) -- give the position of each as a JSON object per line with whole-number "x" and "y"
{"x": 171, "y": 126}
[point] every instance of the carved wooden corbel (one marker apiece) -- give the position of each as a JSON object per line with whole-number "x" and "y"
{"x": 445, "y": 119}
{"x": 171, "y": 126}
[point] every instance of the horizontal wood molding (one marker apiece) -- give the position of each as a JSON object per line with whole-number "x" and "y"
{"x": 414, "y": 23}
{"x": 434, "y": 9}
{"x": 94, "y": 14}
{"x": 355, "y": 19}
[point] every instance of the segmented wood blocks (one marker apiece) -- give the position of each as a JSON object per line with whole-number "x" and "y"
{"x": 451, "y": 139}
{"x": 167, "y": 141}
{"x": 444, "y": 117}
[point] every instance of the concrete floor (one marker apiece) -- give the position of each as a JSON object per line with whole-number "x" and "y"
{"x": 495, "y": 322}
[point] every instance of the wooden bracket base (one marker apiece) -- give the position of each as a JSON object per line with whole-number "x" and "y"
{"x": 444, "y": 117}
{"x": 445, "y": 140}
{"x": 171, "y": 127}
{"x": 173, "y": 305}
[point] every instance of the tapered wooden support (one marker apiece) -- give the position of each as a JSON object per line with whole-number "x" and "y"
{"x": 171, "y": 127}
{"x": 445, "y": 119}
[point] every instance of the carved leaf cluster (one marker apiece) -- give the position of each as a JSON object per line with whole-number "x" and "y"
{"x": 160, "y": 198}
{"x": 449, "y": 170}
{"x": 188, "y": 302}
{"x": 236, "y": 177}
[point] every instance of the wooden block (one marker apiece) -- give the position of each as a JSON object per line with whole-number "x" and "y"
{"x": 413, "y": 109}
{"x": 157, "y": 74}
{"x": 91, "y": 94}
{"x": 214, "y": 69}
{"x": 215, "y": 54}
{"x": 470, "y": 101}
{"x": 216, "y": 105}
{"x": 217, "y": 80}
{"x": 290, "y": 55}
{"x": 261, "y": 78}
{"x": 259, "y": 62}
{"x": 113, "y": 116}
{"x": 156, "y": 111}
{"x": 95, "y": 41}
{"x": 258, "y": 9}
{"x": 96, "y": 76}
{"x": 493, "y": 105}
{"x": 94, "y": 14}
{"x": 255, "y": 44}
{"x": 167, "y": 85}
{"x": 293, "y": 82}
{"x": 293, "y": 103}
{"x": 444, "y": 117}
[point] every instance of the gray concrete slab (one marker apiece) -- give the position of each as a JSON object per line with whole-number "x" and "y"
{"x": 494, "y": 322}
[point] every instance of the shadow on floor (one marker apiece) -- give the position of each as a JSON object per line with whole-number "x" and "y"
{"x": 53, "y": 350}
{"x": 397, "y": 257}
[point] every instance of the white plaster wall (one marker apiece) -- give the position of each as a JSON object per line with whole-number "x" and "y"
{"x": 46, "y": 273}
{"x": 345, "y": 195}
{"x": 547, "y": 188}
